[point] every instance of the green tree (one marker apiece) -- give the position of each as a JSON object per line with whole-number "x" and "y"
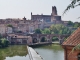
{"x": 46, "y": 31}
{"x": 70, "y": 23}
{"x": 38, "y": 31}
{"x": 53, "y": 29}
{"x": 4, "y": 42}
{"x": 0, "y": 36}
{"x": 9, "y": 25}
{"x": 76, "y": 25}
{"x": 19, "y": 31}
{"x": 59, "y": 29}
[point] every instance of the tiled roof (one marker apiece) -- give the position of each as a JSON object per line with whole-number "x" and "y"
{"x": 73, "y": 39}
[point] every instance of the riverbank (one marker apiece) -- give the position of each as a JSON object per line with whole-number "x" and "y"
{"x": 15, "y": 52}
{"x": 43, "y": 44}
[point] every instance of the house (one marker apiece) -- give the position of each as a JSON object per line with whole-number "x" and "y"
{"x": 19, "y": 39}
{"x": 69, "y": 44}
{"x": 27, "y": 26}
{"x": 9, "y": 30}
{"x": 2, "y": 29}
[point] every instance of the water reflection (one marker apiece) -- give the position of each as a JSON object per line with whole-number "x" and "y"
{"x": 51, "y": 52}
{"x": 13, "y": 51}
{"x": 19, "y": 52}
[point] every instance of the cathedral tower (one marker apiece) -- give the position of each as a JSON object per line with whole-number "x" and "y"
{"x": 54, "y": 10}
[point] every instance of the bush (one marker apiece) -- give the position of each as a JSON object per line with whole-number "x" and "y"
{"x": 4, "y": 42}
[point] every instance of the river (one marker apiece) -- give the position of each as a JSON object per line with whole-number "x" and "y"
{"x": 19, "y": 52}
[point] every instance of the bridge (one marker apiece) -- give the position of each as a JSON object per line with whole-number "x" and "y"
{"x": 37, "y": 38}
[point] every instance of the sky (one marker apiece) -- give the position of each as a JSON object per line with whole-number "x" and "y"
{"x": 21, "y": 8}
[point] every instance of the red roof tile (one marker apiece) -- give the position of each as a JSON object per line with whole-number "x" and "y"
{"x": 73, "y": 39}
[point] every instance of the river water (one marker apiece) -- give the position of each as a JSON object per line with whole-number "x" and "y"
{"x": 19, "y": 52}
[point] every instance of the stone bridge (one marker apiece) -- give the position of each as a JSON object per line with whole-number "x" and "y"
{"x": 38, "y": 37}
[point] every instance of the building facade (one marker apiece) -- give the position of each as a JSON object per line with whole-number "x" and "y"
{"x": 19, "y": 39}
{"x": 3, "y": 29}
{"x": 47, "y": 18}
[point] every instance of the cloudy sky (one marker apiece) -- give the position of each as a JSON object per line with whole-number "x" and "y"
{"x": 21, "y": 8}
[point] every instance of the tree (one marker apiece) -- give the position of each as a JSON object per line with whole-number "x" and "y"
{"x": 9, "y": 25}
{"x": 76, "y": 25}
{"x": 38, "y": 31}
{"x": 19, "y": 31}
{"x": 46, "y": 31}
{"x": 4, "y": 42}
{"x": 0, "y": 36}
{"x": 53, "y": 29}
{"x": 59, "y": 29}
{"x": 70, "y": 23}
{"x": 73, "y": 4}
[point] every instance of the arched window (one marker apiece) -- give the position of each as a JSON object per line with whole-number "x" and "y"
{"x": 79, "y": 56}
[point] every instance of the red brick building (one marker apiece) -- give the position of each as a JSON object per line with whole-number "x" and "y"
{"x": 48, "y": 18}
{"x": 68, "y": 45}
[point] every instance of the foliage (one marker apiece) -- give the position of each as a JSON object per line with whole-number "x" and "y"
{"x": 38, "y": 31}
{"x": 76, "y": 25}
{"x": 77, "y": 47}
{"x": 16, "y": 50}
{"x": 73, "y": 4}
{"x": 4, "y": 42}
{"x": 9, "y": 25}
{"x": 0, "y": 36}
{"x": 55, "y": 39}
{"x": 70, "y": 23}
{"x": 59, "y": 29}
{"x": 19, "y": 31}
{"x": 46, "y": 31}
{"x": 54, "y": 29}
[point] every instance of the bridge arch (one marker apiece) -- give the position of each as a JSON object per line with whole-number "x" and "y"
{"x": 43, "y": 39}
{"x": 55, "y": 38}
{"x": 35, "y": 40}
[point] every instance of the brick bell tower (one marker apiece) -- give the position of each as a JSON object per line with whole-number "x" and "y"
{"x": 54, "y": 13}
{"x": 54, "y": 10}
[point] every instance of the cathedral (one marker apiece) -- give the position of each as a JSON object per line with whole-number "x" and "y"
{"x": 54, "y": 17}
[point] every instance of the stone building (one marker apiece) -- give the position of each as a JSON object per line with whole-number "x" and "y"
{"x": 68, "y": 45}
{"x": 19, "y": 39}
{"x": 54, "y": 17}
{"x": 2, "y": 29}
{"x": 9, "y": 30}
{"x": 27, "y": 26}
{"x": 37, "y": 21}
